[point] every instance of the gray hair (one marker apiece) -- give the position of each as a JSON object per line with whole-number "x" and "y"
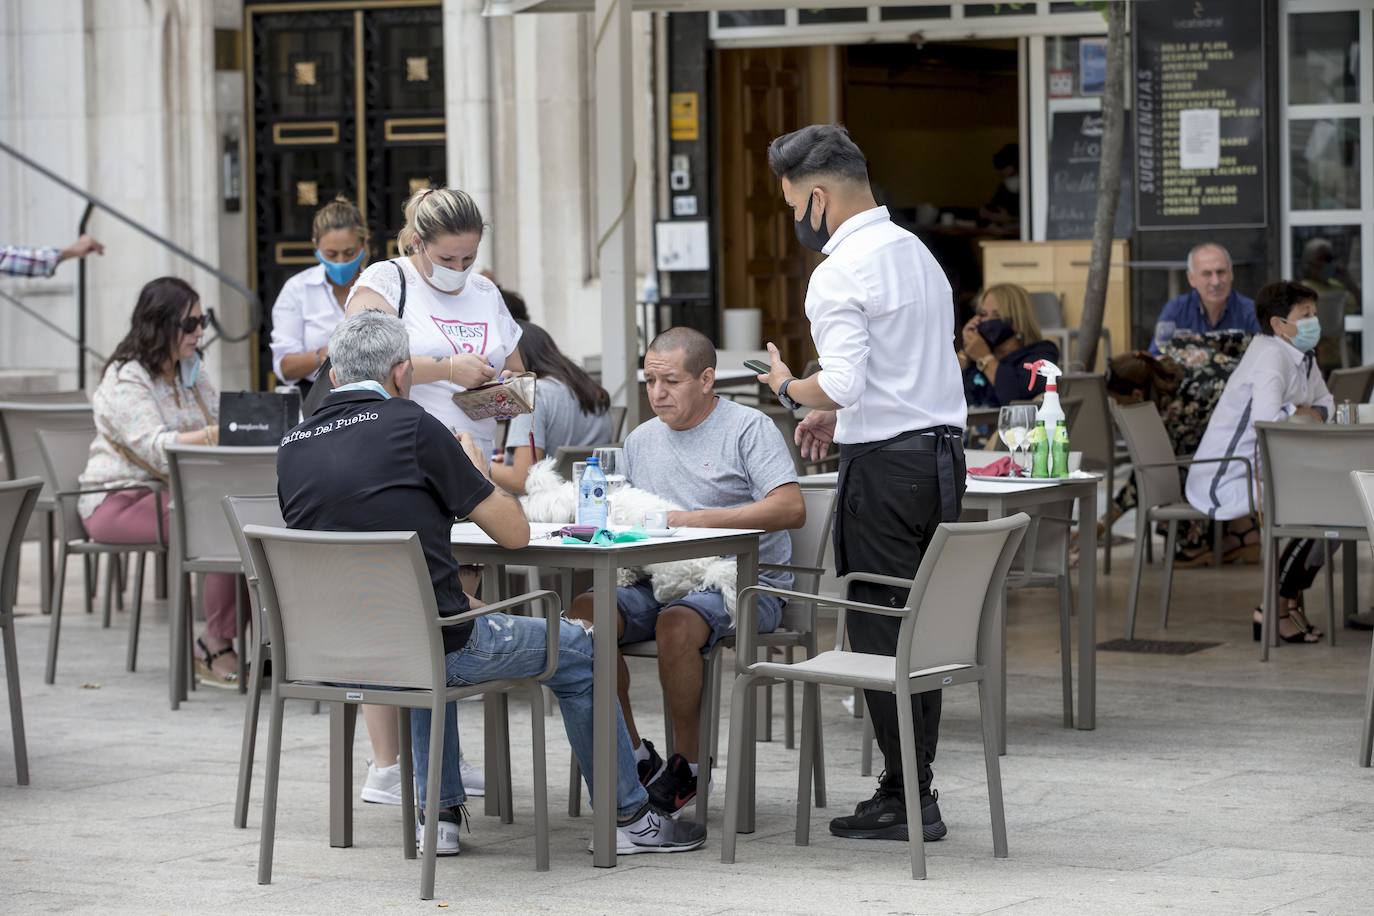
{"x": 367, "y": 346}
{"x": 818, "y": 149}
{"x": 1192, "y": 252}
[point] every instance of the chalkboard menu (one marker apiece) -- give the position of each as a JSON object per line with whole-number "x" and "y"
{"x": 1199, "y": 108}
{"x": 1075, "y": 151}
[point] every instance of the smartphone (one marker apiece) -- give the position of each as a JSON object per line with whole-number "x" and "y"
{"x": 754, "y": 365}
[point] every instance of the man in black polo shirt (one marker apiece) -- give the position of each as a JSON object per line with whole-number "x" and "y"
{"x": 372, "y": 460}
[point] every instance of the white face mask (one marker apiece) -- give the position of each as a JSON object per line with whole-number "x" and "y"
{"x": 446, "y": 279}
{"x": 1013, "y": 183}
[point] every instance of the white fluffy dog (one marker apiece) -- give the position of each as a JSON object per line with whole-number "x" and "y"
{"x": 550, "y": 498}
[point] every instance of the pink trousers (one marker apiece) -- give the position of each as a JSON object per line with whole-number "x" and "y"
{"x": 128, "y": 517}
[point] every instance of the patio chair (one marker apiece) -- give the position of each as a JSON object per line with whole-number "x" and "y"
{"x": 359, "y": 608}
{"x": 1091, "y": 432}
{"x": 241, "y": 511}
{"x": 618, "y": 423}
{"x": 797, "y": 629}
{"x": 1364, "y": 485}
{"x": 63, "y": 453}
{"x": 1351, "y": 384}
{"x": 17, "y": 499}
{"x": 200, "y": 477}
{"x": 1306, "y": 492}
{"x": 20, "y": 419}
{"x": 946, "y": 640}
{"x": 1160, "y": 496}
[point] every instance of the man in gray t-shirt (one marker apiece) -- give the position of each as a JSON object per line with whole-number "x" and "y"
{"x": 729, "y": 467}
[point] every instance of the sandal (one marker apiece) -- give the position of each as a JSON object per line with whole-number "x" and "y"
{"x": 1238, "y": 546}
{"x": 1299, "y": 616}
{"x": 205, "y": 667}
{"x": 1301, "y": 636}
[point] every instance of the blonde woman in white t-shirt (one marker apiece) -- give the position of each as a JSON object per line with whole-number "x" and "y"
{"x": 461, "y": 336}
{"x": 461, "y": 333}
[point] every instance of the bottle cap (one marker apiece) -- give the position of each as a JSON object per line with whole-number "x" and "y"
{"x": 593, "y": 460}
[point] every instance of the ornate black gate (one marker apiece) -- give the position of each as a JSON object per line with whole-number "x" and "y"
{"x": 342, "y": 98}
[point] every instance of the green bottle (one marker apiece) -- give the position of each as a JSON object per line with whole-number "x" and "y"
{"x": 1059, "y": 451}
{"x": 1040, "y": 451}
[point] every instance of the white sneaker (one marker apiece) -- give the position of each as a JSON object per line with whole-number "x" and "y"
{"x": 474, "y": 780}
{"x": 653, "y": 832}
{"x": 447, "y": 843}
{"x": 383, "y": 786}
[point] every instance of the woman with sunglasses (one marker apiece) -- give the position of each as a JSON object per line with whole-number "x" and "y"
{"x": 152, "y": 393}
{"x": 311, "y": 303}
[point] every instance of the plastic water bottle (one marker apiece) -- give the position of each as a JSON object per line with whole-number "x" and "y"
{"x": 591, "y": 496}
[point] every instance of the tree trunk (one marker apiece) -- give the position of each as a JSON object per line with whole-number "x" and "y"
{"x": 1108, "y": 185}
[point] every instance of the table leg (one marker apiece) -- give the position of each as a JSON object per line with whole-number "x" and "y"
{"x": 746, "y": 574}
{"x": 491, "y": 715}
{"x": 1087, "y": 609}
{"x": 605, "y": 703}
{"x": 1350, "y": 579}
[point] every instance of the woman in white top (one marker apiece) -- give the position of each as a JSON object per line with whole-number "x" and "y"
{"x": 461, "y": 333}
{"x": 311, "y": 303}
{"x": 1277, "y": 378}
{"x": 461, "y": 336}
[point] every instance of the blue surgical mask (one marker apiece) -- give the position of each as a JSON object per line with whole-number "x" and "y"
{"x": 189, "y": 370}
{"x": 1309, "y": 332}
{"x": 341, "y": 274}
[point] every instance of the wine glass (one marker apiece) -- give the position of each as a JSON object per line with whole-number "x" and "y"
{"x": 1164, "y": 332}
{"x": 612, "y": 462}
{"x": 1011, "y": 433}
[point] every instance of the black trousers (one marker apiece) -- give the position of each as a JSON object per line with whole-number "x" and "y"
{"x": 1299, "y": 564}
{"x": 889, "y": 503}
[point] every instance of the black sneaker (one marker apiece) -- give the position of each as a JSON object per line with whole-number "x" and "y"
{"x": 651, "y": 769}
{"x": 883, "y": 817}
{"x": 676, "y": 788}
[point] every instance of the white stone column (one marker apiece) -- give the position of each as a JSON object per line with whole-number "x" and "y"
{"x": 467, "y": 109}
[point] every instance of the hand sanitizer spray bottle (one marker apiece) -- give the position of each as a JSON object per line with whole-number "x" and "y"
{"x": 1049, "y": 440}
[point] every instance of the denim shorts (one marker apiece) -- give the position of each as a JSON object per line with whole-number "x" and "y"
{"x": 640, "y": 609}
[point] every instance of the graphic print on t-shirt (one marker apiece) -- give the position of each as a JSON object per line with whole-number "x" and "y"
{"x": 464, "y": 336}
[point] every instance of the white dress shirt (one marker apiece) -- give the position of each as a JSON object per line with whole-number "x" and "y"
{"x": 882, "y": 317}
{"x": 303, "y": 317}
{"x": 1273, "y": 379}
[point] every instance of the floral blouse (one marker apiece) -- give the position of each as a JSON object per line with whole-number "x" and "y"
{"x": 1207, "y": 361}
{"x": 136, "y": 417}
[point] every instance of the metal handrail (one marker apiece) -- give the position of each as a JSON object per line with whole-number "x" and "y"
{"x": 254, "y": 303}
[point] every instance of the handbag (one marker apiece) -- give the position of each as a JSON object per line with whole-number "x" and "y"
{"x": 323, "y": 383}
{"x": 257, "y": 417}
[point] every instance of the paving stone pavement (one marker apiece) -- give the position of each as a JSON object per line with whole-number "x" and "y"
{"x": 1213, "y": 783}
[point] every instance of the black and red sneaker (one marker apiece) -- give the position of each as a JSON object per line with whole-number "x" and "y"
{"x": 676, "y": 788}
{"x": 651, "y": 768}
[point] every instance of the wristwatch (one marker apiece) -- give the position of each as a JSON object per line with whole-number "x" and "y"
{"x": 783, "y": 399}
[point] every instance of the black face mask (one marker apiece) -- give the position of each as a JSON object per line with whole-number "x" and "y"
{"x": 815, "y": 239}
{"x": 995, "y": 331}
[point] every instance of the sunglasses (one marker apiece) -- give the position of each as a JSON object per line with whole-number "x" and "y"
{"x": 192, "y": 324}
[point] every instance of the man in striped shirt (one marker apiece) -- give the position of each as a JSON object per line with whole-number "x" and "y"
{"x": 42, "y": 262}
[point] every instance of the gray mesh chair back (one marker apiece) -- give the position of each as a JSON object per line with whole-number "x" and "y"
{"x": 618, "y": 423}
{"x": 17, "y": 499}
{"x": 19, "y": 426}
{"x": 1049, "y": 309}
{"x": 1305, "y": 471}
{"x": 200, "y": 477}
{"x": 1091, "y": 429}
{"x": 956, "y": 588}
{"x": 64, "y": 453}
{"x": 1305, "y": 492}
{"x": 312, "y": 582}
{"x": 566, "y": 456}
{"x": 808, "y": 556}
{"x": 73, "y": 396}
{"x": 1147, "y": 442}
{"x": 1364, "y": 486}
{"x": 1351, "y": 384}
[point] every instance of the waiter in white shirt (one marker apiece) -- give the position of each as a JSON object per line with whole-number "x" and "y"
{"x": 890, "y": 393}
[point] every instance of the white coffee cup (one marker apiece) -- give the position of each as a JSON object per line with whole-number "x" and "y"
{"x": 655, "y": 521}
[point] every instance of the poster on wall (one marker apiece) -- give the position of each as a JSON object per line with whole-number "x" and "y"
{"x": 1075, "y": 151}
{"x": 1092, "y": 66}
{"x": 1199, "y": 115}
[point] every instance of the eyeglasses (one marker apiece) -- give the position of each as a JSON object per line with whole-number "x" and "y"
{"x": 194, "y": 323}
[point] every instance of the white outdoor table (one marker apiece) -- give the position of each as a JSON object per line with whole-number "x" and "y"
{"x": 1001, "y": 499}
{"x": 473, "y": 547}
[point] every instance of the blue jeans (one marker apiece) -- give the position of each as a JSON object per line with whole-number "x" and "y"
{"x": 502, "y": 646}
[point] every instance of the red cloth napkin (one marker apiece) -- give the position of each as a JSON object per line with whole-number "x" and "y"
{"x": 1002, "y": 467}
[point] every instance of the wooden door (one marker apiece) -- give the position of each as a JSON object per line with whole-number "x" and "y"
{"x": 762, "y": 95}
